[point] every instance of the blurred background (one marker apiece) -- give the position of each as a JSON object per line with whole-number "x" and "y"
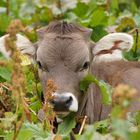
{"x": 101, "y": 15}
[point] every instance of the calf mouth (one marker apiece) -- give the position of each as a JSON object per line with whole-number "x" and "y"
{"x": 61, "y": 115}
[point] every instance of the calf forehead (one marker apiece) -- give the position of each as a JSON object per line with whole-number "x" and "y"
{"x": 67, "y": 49}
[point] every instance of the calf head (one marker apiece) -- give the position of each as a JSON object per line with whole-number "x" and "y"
{"x": 63, "y": 55}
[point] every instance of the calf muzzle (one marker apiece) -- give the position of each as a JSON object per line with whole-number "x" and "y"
{"x": 64, "y": 102}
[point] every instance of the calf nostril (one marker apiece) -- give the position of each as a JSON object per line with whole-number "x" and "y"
{"x": 69, "y": 101}
{"x": 52, "y": 102}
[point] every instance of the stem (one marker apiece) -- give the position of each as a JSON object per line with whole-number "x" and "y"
{"x": 82, "y": 126}
{"x": 108, "y": 6}
{"x": 136, "y": 41}
{"x": 59, "y": 6}
{"x": 18, "y": 126}
{"x": 7, "y": 7}
{"x": 36, "y": 81}
{"x": 33, "y": 111}
{"x": 3, "y": 105}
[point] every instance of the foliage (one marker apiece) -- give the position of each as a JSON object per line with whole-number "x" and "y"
{"x": 67, "y": 125}
{"x": 105, "y": 88}
{"x": 102, "y": 16}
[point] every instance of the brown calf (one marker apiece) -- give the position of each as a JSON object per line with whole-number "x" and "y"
{"x": 65, "y": 54}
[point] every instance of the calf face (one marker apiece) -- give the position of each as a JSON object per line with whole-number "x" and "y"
{"x": 63, "y": 55}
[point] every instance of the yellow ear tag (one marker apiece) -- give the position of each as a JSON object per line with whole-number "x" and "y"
{"x": 25, "y": 60}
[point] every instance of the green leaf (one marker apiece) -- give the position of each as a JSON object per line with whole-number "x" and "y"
{"x": 137, "y": 19}
{"x": 121, "y": 128}
{"x": 102, "y": 126}
{"x": 134, "y": 8}
{"x": 7, "y": 122}
{"x": 135, "y": 135}
{"x": 5, "y": 73}
{"x": 24, "y": 134}
{"x": 112, "y": 20}
{"x": 116, "y": 112}
{"x": 4, "y": 22}
{"x": 87, "y": 81}
{"x": 81, "y": 9}
{"x": 131, "y": 55}
{"x": 99, "y": 17}
{"x": 88, "y": 135}
{"x": 126, "y": 24}
{"x": 114, "y": 5}
{"x": 98, "y": 33}
{"x": 137, "y": 117}
{"x": 36, "y": 129}
{"x": 67, "y": 125}
{"x": 106, "y": 89}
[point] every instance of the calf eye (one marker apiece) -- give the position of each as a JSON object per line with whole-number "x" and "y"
{"x": 39, "y": 64}
{"x": 41, "y": 67}
{"x": 85, "y": 66}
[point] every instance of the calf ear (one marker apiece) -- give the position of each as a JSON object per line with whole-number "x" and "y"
{"x": 41, "y": 32}
{"x": 91, "y": 47}
{"x": 22, "y": 43}
{"x": 2, "y": 46}
{"x": 87, "y": 32}
{"x": 122, "y": 41}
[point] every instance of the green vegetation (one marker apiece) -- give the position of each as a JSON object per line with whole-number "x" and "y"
{"x": 20, "y": 98}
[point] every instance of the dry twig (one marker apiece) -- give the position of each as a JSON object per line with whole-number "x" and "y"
{"x": 82, "y": 126}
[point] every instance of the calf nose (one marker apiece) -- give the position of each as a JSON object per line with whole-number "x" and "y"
{"x": 64, "y": 102}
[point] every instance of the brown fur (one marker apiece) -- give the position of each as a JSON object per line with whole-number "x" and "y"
{"x": 114, "y": 73}
{"x": 63, "y": 28}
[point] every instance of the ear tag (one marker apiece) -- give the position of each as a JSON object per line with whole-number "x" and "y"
{"x": 25, "y": 60}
